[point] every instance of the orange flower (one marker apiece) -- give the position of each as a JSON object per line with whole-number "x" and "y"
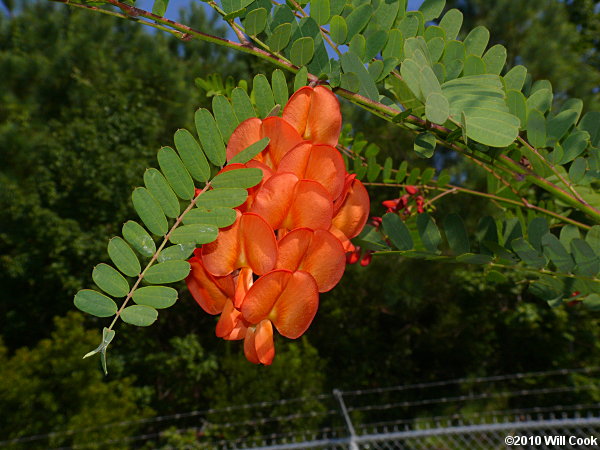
{"x": 321, "y": 163}
{"x": 249, "y": 242}
{"x": 318, "y": 252}
{"x": 351, "y": 209}
{"x": 315, "y": 114}
{"x": 288, "y": 299}
{"x": 282, "y": 135}
{"x": 210, "y": 292}
{"x": 287, "y": 202}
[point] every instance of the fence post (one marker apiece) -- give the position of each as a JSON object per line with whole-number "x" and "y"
{"x": 338, "y": 395}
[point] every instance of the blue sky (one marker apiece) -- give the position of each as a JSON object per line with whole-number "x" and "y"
{"x": 176, "y": 5}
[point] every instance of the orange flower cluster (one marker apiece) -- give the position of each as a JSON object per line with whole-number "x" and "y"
{"x": 291, "y": 235}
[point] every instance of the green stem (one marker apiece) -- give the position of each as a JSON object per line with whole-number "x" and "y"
{"x": 156, "y": 254}
{"x": 458, "y": 189}
{"x": 386, "y": 112}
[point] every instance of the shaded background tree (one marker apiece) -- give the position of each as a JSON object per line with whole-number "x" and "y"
{"x": 87, "y": 100}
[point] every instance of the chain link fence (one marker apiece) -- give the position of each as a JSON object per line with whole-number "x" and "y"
{"x": 556, "y": 409}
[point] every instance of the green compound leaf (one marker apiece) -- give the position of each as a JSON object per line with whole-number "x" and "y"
{"x": 280, "y": 89}
{"x": 517, "y": 105}
{"x": 338, "y": 29}
{"x": 515, "y": 78}
{"x": 593, "y": 237}
{"x": 250, "y": 152}
{"x": 558, "y": 125}
{"x": 263, "y": 95}
{"x": 577, "y": 169}
{"x": 139, "y": 315}
{"x": 495, "y": 59}
{"x": 586, "y": 260}
{"x": 397, "y": 231}
{"x": 196, "y": 233}
{"x": 158, "y": 297}
{"x": 210, "y": 137}
{"x": 219, "y": 217}
{"x": 536, "y": 128}
{"x": 159, "y": 188}
{"x": 477, "y": 40}
{"x": 320, "y": 11}
{"x": 425, "y": 145}
{"x": 123, "y": 256}
{"x": 432, "y": 9}
{"x": 358, "y": 19}
{"x": 429, "y": 232}
{"x": 95, "y": 303}
{"x": 149, "y": 211}
{"x": 351, "y": 63}
{"x": 224, "y": 116}
{"x": 242, "y": 104}
{"x": 456, "y": 234}
{"x": 160, "y": 7}
{"x": 394, "y": 46}
{"x": 191, "y": 155}
{"x": 527, "y": 253}
{"x": 110, "y": 280}
{"x": 556, "y": 252}
{"x": 138, "y": 238}
{"x": 591, "y": 124}
{"x": 222, "y": 197}
{"x": 302, "y": 51}
{"x": 167, "y": 272}
{"x": 107, "y": 337}
{"x": 574, "y": 145}
{"x": 536, "y": 230}
{"x": 177, "y": 252}
{"x": 280, "y": 37}
{"x": 490, "y": 127}
{"x": 175, "y": 172}
{"x": 451, "y": 23}
{"x": 255, "y": 21}
{"x": 238, "y": 178}
{"x": 437, "y": 108}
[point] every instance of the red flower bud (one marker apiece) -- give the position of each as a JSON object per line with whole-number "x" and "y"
{"x": 366, "y": 259}
{"x": 353, "y": 257}
{"x": 411, "y": 190}
{"x": 391, "y": 204}
{"x": 376, "y": 221}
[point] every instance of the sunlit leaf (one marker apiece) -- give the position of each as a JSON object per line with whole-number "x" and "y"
{"x": 250, "y": 152}
{"x": 197, "y": 233}
{"x": 238, "y": 178}
{"x": 175, "y": 172}
{"x": 177, "y": 252}
{"x": 138, "y": 238}
{"x": 149, "y": 211}
{"x": 210, "y": 137}
{"x": 139, "y": 315}
{"x": 95, "y": 303}
{"x": 110, "y": 280}
{"x": 123, "y": 256}
{"x": 159, "y": 188}
{"x": 167, "y": 272}
{"x": 222, "y": 197}
{"x": 158, "y": 297}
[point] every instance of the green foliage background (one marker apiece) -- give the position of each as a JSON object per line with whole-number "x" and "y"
{"x": 85, "y": 102}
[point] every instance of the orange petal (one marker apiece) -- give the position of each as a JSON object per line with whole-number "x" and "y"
{"x": 220, "y": 257}
{"x": 243, "y": 284}
{"x": 353, "y": 211}
{"x": 297, "y": 305}
{"x": 231, "y": 325}
{"x": 318, "y": 252}
{"x": 283, "y": 137}
{"x": 273, "y": 200}
{"x": 315, "y": 113}
{"x": 311, "y": 207}
{"x": 321, "y": 163}
{"x": 263, "y": 294}
{"x": 249, "y": 242}
{"x": 289, "y": 299}
{"x": 249, "y": 346}
{"x": 210, "y": 292}
{"x": 247, "y": 133}
{"x": 346, "y": 243}
{"x": 263, "y": 342}
{"x": 258, "y": 244}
